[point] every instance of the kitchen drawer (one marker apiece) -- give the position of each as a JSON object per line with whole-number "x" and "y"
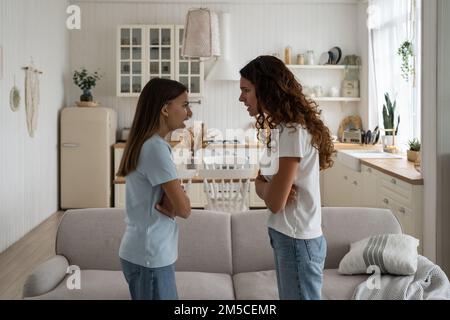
{"x": 400, "y": 198}
{"x": 396, "y": 185}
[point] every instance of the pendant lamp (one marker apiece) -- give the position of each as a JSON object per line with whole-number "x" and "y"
{"x": 201, "y": 34}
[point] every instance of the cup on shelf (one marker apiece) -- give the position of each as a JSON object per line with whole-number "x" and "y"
{"x": 318, "y": 90}
{"x": 334, "y": 92}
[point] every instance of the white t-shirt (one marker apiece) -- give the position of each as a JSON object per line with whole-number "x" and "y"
{"x": 300, "y": 219}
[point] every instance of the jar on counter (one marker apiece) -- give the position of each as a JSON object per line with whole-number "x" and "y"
{"x": 287, "y": 55}
{"x": 310, "y": 57}
{"x": 301, "y": 58}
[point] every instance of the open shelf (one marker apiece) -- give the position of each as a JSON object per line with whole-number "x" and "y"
{"x": 336, "y": 99}
{"x": 320, "y": 67}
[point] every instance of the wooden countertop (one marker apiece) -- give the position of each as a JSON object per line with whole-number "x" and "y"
{"x": 399, "y": 168}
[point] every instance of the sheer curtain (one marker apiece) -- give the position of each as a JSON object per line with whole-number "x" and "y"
{"x": 391, "y": 22}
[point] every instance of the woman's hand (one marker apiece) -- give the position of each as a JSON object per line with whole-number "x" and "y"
{"x": 292, "y": 194}
{"x": 166, "y": 207}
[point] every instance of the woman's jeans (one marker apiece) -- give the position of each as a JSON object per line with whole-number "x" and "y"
{"x": 150, "y": 283}
{"x": 299, "y": 265}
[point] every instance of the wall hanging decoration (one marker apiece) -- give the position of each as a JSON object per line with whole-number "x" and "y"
{"x": 201, "y": 34}
{"x": 32, "y": 96}
{"x": 14, "y": 97}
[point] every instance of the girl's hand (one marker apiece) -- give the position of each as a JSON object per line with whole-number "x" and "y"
{"x": 166, "y": 207}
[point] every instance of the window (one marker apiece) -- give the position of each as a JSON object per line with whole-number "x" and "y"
{"x": 391, "y": 23}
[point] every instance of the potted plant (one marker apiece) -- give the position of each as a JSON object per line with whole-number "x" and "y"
{"x": 406, "y": 53}
{"x": 86, "y": 81}
{"x": 414, "y": 150}
{"x": 389, "y": 124}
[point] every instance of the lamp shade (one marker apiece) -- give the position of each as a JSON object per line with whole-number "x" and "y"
{"x": 201, "y": 34}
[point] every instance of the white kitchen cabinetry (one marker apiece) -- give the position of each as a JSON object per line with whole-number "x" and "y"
{"x": 405, "y": 202}
{"x": 369, "y": 186}
{"x": 342, "y": 187}
{"x": 145, "y": 52}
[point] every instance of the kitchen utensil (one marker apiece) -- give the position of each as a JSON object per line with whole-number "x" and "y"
{"x": 337, "y": 54}
{"x": 375, "y": 136}
{"x": 324, "y": 58}
{"x": 368, "y": 137}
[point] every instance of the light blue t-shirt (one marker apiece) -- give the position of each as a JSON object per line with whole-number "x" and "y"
{"x": 150, "y": 238}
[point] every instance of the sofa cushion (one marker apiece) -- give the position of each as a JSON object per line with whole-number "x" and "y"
{"x": 342, "y": 226}
{"x": 204, "y": 286}
{"x": 205, "y": 242}
{"x": 90, "y": 238}
{"x": 95, "y": 285}
{"x": 111, "y": 285}
{"x": 251, "y": 243}
{"x": 337, "y": 286}
{"x": 260, "y": 285}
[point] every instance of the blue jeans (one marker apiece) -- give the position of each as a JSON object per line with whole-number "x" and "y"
{"x": 150, "y": 283}
{"x": 299, "y": 266}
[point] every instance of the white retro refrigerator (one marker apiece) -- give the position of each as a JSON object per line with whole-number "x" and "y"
{"x": 86, "y": 144}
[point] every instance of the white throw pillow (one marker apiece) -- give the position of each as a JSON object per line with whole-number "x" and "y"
{"x": 392, "y": 253}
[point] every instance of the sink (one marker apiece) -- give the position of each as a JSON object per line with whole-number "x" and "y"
{"x": 351, "y": 158}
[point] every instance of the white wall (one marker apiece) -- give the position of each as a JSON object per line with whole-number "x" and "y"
{"x": 254, "y": 29}
{"x": 28, "y": 166}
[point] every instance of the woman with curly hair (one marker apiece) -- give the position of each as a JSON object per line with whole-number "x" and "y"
{"x": 302, "y": 146}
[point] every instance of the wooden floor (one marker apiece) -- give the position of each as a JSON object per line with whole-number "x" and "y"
{"x": 19, "y": 260}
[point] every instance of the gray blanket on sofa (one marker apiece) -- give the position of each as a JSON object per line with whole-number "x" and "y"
{"x": 428, "y": 283}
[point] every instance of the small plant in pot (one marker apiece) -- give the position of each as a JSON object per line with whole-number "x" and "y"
{"x": 86, "y": 81}
{"x": 389, "y": 124}
{"x": 414, "y": 150}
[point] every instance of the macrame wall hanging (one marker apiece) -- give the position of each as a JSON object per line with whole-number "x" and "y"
{"x": 32, "y": 96}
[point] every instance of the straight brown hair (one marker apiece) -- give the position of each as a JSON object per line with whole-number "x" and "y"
{"x": 156, "y": 93}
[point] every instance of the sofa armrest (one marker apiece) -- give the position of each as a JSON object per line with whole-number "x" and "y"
{"x": 45, "y": 276}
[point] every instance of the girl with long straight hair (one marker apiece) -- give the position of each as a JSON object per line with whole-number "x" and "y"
{"x": 154, "y": 195}
{"x": 303, "y": 147}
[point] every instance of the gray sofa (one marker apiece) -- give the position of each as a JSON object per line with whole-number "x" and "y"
{"x": 221, "y": 255}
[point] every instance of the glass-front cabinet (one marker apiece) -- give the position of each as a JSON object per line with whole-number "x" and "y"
{"x": 188, "y": 71}
{"x": 149, "y": 51}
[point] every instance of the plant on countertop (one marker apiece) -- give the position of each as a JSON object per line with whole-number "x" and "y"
{"x": 85, "y": 81}
{"x": 389, "y": 115}
{"x": 414, "y": 144}
{"x": 406, "y": 53}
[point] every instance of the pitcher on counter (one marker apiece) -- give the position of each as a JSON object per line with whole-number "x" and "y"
{"x": 154, "y": 195}
{"x": 292, "y": 194}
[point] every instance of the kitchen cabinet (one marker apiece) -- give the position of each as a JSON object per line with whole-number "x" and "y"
{"x": 369, "y": 186}
{"x": 342, "y": 187}
{"x": 145, "y": 52}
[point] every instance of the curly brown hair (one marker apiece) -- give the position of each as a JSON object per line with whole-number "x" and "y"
{"x": 284, "y": 102}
